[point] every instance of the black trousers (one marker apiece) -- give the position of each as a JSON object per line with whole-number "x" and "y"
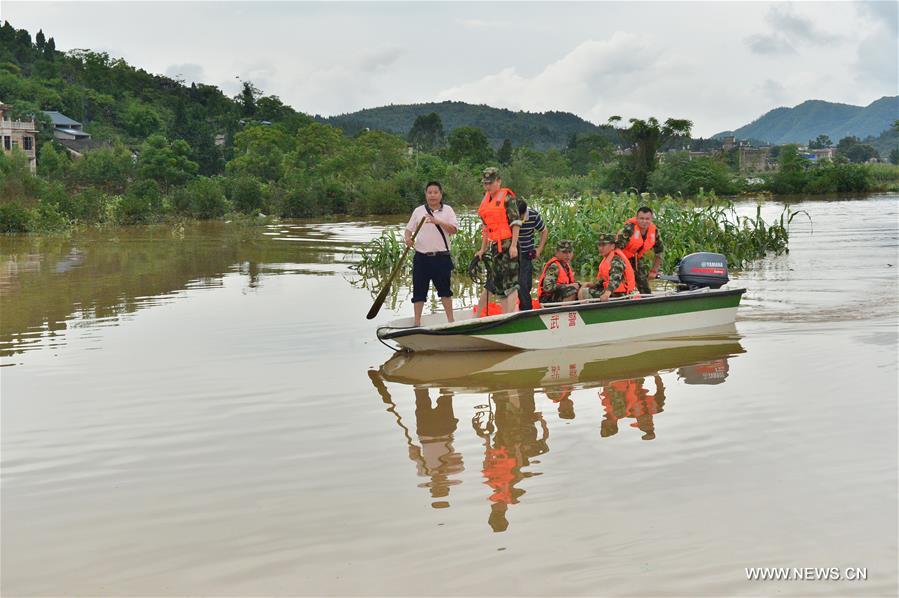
{"x": 428, "y": 268}
{"x": 525, "y": 281}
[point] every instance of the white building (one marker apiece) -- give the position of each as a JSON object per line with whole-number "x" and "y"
{"x": 18, "y": 134}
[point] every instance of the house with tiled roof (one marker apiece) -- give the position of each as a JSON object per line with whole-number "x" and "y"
{"x": 70, "y": 133}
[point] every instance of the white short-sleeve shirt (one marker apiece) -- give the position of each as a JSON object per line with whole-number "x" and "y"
{"x": 429, "y": 238}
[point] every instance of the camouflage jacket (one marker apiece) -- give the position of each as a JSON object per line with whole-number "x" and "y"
{"x": 550, "y": 281}
{"x": 616, "y": 273}
{"x": 628, "y": 231}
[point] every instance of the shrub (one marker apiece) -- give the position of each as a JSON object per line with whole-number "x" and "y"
{"x": 134, "y": 209}
{"x": 245, "y": 193}
{"x": 15, "y": 218}
{"x": 681, "y": 175}
{"x": 47, "y": 218}
{"x": 296, "y": 203}
{"x": 206, "y": 198}
{"x": 95, "y": 206}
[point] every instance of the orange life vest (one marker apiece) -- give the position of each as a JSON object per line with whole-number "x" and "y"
{"x": 638, "y": 243}
{"x": 565, "y": 274}
{"x": 612, "y": 394}
{"x": 628, "y": 284}
{"x": 499, "y": 471}
{"x": 493, "y": 213}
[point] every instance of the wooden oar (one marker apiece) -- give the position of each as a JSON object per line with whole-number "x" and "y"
{"x": 379, "y": 300}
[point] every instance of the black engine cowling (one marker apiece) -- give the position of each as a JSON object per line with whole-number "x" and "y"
{"x": 700, "y": 270}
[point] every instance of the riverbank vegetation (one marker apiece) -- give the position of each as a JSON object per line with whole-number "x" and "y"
{"x": 162, "y": 150}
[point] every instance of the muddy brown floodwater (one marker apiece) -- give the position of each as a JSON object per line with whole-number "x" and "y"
{"x": 207, "y": 411}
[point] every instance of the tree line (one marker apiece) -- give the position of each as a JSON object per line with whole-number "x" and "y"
{"x": 168, "y": 149}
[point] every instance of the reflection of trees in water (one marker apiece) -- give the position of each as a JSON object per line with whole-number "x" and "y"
{"x": 46, "y": 281}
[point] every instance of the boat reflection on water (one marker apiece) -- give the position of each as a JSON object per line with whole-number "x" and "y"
{"x": 510, "y": 427}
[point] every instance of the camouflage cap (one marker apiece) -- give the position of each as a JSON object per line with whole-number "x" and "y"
{"x": 606, "y": 238}
{"x": 489, "y": 175}
{"x": 565, "y": 245}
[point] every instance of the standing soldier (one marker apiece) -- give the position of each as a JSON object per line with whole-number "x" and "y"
{"x": 527, "y": 252}
{"x": 615, "y": 277}
{"x": 557, "y": 283}
{"x": 499, "y": 242}
{"x": 638, "y": 236}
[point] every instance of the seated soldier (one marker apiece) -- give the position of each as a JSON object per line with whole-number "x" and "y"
{"x": 615, "y": 277}
{"x": 557, "y": 283}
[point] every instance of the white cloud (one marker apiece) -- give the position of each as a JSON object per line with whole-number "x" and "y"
{"x": 346, "y": 84}
{"x": 189, "y": 73}
{"x": 379, "y": 58}
{"x": 795, "y": 26}
{"x": 474, "y": 24}
{"x": 774, "y": 91}
{"x": 580, "y": 81}
{"x": 882, "y": 12}
{"x": 770, "y": 44}
{"x": 789, "y": 29}
{"x": 876, "y": 57}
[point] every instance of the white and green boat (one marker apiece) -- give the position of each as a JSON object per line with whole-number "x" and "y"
{"x": 565, "y": 325}
{"x": 696, "y": 305}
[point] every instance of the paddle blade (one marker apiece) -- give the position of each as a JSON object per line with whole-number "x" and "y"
{"x": 379, "y": 301}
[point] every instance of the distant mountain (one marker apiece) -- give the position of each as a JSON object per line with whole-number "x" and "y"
{"x": 541, "y": 130}
{"x": 816, "y": 117}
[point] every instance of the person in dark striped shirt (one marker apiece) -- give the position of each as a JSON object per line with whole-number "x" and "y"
{"x": 531, "y": 223}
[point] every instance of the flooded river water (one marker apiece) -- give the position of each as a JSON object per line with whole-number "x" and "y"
{"x": 205, "y": 410}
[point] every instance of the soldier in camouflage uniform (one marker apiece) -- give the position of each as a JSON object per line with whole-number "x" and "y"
{"x": 618, "y": 270}
{"x": 501, "y": 260}
{"x": 549, "y": 290}
{"x": 644, "y": 220}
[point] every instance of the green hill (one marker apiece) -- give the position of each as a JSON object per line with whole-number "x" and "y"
{"x": 541, "y": 130}
{"x": 816, "y": 117}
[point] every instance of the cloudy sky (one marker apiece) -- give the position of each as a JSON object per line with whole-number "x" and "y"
{"x": 719, "y": 64}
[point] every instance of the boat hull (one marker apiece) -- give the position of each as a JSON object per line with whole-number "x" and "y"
{"x": 574, "y": 325}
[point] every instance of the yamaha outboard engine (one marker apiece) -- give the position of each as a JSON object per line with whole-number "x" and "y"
{"x": 700, "y": 270}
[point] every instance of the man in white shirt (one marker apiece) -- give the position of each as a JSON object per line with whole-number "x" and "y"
{"x": 432, "y": 261}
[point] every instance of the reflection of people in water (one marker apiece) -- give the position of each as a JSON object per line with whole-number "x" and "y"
{"x": 435, "y": 426}
{"x": 511, "y": 440}
{"x": 561, "y": 396}
{"x": 436, "y": 458}
{"x": 628, "y": 398}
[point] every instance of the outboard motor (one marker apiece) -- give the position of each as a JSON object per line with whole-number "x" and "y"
{"x": 700, "y": 270}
